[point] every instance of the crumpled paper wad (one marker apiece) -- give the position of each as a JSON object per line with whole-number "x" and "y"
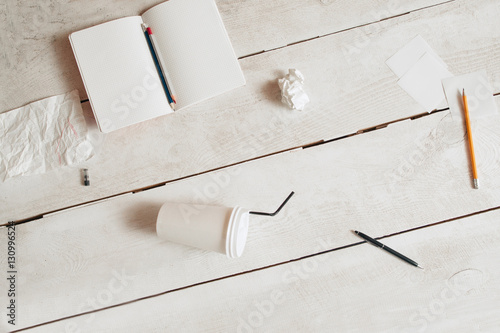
{"x": 43, "y": 135}
{"x": 292, "y": 90}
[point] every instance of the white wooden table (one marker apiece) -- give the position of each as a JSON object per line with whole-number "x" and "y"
{"x": 363, "y": 155}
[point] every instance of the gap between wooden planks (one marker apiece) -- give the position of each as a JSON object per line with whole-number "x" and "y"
{"x": 252, "y": 122}
{"x": 333, "y": 291}
{"x": 132, "y": 191}
{"x": 410, "y": 174}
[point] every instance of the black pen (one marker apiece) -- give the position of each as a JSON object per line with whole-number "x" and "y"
{"x": 388, "y": 249}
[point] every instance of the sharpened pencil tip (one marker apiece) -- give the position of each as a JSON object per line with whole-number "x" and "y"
{"x": 420, "y": 267}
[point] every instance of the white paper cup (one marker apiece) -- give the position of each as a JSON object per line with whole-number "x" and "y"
{"x": 213, "y": 228}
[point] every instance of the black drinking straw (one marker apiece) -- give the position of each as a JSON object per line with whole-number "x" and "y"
{"x": 277, "y": 210}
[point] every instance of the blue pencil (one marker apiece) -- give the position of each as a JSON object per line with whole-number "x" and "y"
{"x": 148, "y": 33}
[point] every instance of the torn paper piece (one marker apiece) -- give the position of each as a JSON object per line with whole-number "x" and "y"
{"x": 479, "y": 95}
{"x": 403, "y": 60}
{"x": 423, "y": 82}
{"x": 292, "y": 91}
{"x": 42, "y": 136}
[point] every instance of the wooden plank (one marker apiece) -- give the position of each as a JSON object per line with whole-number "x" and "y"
{"x": 350, "y": 90}
{"x": 37, "y": 60}
{"x": 280, "y": 23}
{"x": 358, "y": 289}
{"x": 407, "y": 175}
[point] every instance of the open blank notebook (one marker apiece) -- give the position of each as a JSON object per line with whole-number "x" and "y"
{"x": 119, "y": 73}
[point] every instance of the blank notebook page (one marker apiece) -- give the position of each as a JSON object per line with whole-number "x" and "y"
{"x": 196, "y": 50}
{"x": 119, "y": 73}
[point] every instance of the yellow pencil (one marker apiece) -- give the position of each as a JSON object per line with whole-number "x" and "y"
{"x": 471, "y": 144}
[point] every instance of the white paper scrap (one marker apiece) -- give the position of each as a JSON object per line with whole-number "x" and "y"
{"x": 43, "y": 135}
{"x": 423, "y": 82}
{"x": 403, "y": 60}
{"x": 478, "y": 91}
{"x": 292, "y": 90}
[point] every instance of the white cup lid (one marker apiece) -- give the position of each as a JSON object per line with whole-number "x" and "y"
{"x": 237, "y": 232}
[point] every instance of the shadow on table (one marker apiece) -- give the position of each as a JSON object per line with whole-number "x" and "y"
{"x": 271, "y": 91}
{"x": 143, "y": 217}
